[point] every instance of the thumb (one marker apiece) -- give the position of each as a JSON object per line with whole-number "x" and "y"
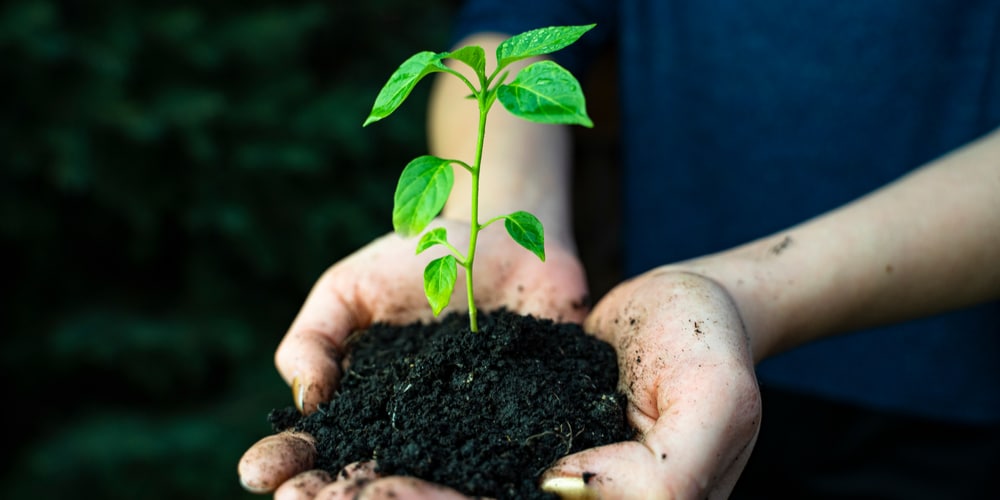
{"x": 623, "y": 470}
{"x": 308, "y": 357}
{"x": 667, "y": 463}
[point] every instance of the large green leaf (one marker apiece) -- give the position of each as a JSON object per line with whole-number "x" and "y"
{"x": 402, "y": 82}
{"x": 538, "y": 42}
{"x": 527, "y": 231}
{"x": 439, "y": 281}
{"x": 422, "y": 190}
{"x": 545, "y": 92}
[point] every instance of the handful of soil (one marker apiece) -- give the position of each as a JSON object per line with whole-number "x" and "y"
{"x": 485, "y": 413}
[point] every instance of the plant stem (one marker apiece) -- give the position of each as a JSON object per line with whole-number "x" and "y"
{"x": 474, "y": 218}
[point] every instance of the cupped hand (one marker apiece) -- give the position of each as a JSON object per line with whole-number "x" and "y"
{"x": 688, "y": 372}
{"x": 383, "y": 282}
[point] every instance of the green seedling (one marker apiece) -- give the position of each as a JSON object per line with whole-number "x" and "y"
{"x": 542, "y": 92}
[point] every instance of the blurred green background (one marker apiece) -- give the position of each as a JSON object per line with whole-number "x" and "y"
{"x": 175, "y": 176}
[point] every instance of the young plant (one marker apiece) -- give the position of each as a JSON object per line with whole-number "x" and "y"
{"x": 542, "y": 92}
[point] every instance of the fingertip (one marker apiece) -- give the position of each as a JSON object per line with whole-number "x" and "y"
{"x": 303, "y": 486}
{"x": 619, "y": 470}
{"x": 255, "y": 488}
{"x": 274, "y": 459}
{"x": 570, "y": 487}
{"x": 312, "y": 395}
{"x": 407, "y": 488}
{"x": 312, "y": 369}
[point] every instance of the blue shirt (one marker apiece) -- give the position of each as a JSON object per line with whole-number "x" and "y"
{"x": 744, "y": 118}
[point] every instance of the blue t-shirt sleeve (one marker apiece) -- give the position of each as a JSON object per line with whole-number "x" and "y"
{"x": 516, "y": 16}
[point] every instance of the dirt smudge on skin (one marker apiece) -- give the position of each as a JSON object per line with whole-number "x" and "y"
{"x": 782, "y": 245}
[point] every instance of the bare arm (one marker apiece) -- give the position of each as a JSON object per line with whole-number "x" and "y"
{"x": 927, "y": 243}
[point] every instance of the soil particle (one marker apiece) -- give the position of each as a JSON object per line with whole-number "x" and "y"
{"x": 484, "y": 413}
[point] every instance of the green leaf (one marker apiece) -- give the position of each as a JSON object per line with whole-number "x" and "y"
{"x": 527, "y": 231}
{"x": 422, "y": 190}
{"x": 402, "y": 82}
{"x": 545, "y": 92}
{"x": 538, "y": 42}
{"x": 436, "y": 236}
{"x": 472, "y": 55}
{"x": 439, "y": 281}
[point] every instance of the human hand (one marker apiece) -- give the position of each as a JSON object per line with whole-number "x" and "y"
{"x": 383, "y": 282}
{"x": 687, "y": 370}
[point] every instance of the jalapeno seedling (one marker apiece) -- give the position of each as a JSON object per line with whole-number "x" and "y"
{"x": 542, "y": 92}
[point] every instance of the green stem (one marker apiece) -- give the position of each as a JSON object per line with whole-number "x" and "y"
{"x": 474, "y": 224}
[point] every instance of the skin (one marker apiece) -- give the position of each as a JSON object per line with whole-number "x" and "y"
{"x": 688, "y": 372}
{"x": 687, "y": 334}
{"x": 925, "y": 244}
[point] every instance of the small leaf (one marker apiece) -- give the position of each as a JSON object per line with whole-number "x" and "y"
{"x": 538, "y": 42}
{"x": 439, "y": 281}
{"x": 422, "y": 190}
{"x": 436, "y": 236}
{"x": 527, "y": 231}
{"x": 402, "y": 82}
{"x": 545, "y": 92}
{"x": 472, "y": 55}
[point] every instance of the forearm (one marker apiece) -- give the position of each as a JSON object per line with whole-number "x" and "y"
{"x": 927, "y": 243}
{"x": 525, "y": 165}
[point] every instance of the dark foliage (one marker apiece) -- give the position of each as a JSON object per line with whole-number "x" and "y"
{"x": 174, "y": 178}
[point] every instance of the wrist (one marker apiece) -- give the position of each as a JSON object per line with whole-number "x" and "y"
{"x": 767, "y": 301}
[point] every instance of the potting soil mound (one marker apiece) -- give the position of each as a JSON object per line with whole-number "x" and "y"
{"x": 485, "y": 413}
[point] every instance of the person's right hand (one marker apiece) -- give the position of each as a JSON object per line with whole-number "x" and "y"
{"x": 383, "y": 282}
{"x": 688, "y": 371}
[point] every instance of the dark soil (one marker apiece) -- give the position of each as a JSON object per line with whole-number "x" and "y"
{"x": 484, "y": 413}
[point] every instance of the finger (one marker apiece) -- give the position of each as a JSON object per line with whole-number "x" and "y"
{"x": 695, "y": 448}
{"x": 303, "y": 486}
{"x": 407, "y": 488}
{"x": 274, "y": 459}
{"x": 309, "y": 354}
{"x": 349, "y": 482}
{"x": 622, "y": 470}
{"x": 633, "y": 470}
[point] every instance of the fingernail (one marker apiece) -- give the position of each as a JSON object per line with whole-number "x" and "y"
{"x": 570, "y": 488}
{"x": 253, "y": 488}
{"x": 298, "y": 393}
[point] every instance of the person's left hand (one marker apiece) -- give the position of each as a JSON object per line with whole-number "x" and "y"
{"x": 382, "y": 282}
{"x": 687, "y": 370}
